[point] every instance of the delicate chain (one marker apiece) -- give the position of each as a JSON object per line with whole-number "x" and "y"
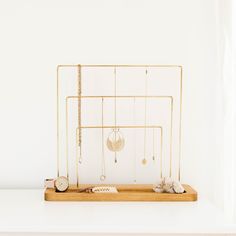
{"x": 103, "y": 156}
{"x": 115, "y": 95}
{"x": 79, "y": 114}
{"x": 145, "y": 118}
{"x": 78, "y": 130}
{"x": 115, "y": 109}
{"x": 134, "y": 136}
{"x": 77, "y": 158}
{"x": 153, "y": 144}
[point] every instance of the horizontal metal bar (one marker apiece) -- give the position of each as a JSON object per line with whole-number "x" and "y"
{"x": 121, "y": 127}
{"x": 69, "y": 97}
{"x": 177, "y": 66}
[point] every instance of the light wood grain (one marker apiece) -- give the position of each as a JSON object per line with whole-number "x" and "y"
{"x": 125, "y": 193}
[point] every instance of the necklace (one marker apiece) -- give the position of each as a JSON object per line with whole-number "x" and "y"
{"x": 144, "y": 160}
{"x": 78, "y": 130}
{"x": 134, "y": 139}
{"x": 153, "y": 145}
{"x": 115, "y": 140}
{"x": 79, "y": 115}
{"x": 103, "y": 172}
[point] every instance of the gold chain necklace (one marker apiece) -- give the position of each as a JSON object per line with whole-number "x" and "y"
{"x": 103, "y": 173}
{"x": 144, "y": 160}
{"x": 115, "y": 140}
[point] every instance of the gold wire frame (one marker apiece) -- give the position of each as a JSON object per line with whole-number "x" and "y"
{"x": 78, "y": 130}
{"x": 79, "y": 108}
{"x": 154, "y": 126}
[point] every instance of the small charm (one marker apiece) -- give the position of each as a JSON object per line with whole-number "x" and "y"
{"x": 102, "y": 177}
{"x": 144, "y": 161}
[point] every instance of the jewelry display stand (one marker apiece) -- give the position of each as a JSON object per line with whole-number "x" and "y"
{"x": 132, "y": 126}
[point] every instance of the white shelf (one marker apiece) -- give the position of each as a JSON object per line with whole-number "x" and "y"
{"x": 26, "y": 211}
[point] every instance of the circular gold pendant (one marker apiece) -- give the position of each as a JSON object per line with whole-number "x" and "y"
{"x": 144, "y": 161}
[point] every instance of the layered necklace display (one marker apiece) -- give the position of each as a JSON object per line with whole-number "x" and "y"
{"x": 115, "y": 141}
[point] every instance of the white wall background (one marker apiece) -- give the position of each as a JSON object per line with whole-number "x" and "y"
{"x": 35, "y": 36}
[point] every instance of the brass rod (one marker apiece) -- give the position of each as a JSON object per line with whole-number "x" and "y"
{"x": 161, "y": 173}
{"x": 67, "y": 153}
{"x": 120, "y": 126}
{"x": 137, "y": 96}
{"x": 180, "y": 121}
{"x": 58, "y": 135}
{"x": 171, "y": 133}
{"x": 121, "y": 66}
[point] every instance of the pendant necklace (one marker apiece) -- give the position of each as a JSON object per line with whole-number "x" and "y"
{"x": 78, "y": 129}
{"x": 79, "y": 115}
{"x": 103, "y": 172}
{"x": 153, "y": 145}
{"x": 134, "y": 139}
{"x": 144, "y": 160}
{"x": 115, "y": 140}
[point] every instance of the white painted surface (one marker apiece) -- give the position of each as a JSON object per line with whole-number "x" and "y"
{"x": 26, "y": 211}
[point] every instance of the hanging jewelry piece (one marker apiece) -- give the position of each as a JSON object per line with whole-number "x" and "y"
{"x": 79, "y": 115}
{"x": 77, "y": 157}
{"x": 115, "y": 140}
{"x": 103, "y": 175}
{"x": 134, "y": 139}
{"x": 144, "y": 160}
{"x": 78, "y": 129}
{"x": 153, "y": 144}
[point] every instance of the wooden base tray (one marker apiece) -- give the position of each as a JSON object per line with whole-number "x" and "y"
{"x": 125, "y": 193}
